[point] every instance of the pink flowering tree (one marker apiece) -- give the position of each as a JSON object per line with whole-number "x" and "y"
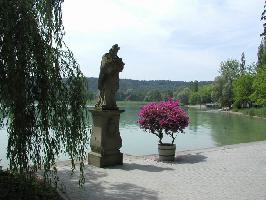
{"x": 165, "y": 117}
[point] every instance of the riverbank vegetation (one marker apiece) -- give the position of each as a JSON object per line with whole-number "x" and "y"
{"x": 259, "y": 112}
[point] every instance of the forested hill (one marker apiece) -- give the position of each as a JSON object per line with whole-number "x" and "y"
{"x": 129, "y": 84}
{"x": 138, "y": 90}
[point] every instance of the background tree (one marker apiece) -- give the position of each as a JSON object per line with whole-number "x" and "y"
{"x": 227, "y": 94}
{"x": 194, "y": 86}
{"x": 230, "y": 70}
{"x": 261, "y": 54}
{"x": 205, "y": 93}
{"x": 153, "y": 95}
{"x": 242, "y": 89}
{"x": 218, "y": 85}
{"x": 223, "y": 85}
{"x": 183, "y": 96}
{"x": 42, "y": 90}
{"x": 259, "y": 86}
{"x": 262, "y": 48}
{"x": 243, "y": 64}
{"x": 194, "y": 98}
{"x": 251, "y": 68}
{"x": 167, "y": 94}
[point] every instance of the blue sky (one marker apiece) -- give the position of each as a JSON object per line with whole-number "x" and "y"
{"x": 163, "y": 39}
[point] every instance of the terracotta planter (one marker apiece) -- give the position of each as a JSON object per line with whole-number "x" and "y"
{"x": 166, "y": 152}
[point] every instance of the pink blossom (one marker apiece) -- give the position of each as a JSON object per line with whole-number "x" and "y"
{"x": 165, "y": 117}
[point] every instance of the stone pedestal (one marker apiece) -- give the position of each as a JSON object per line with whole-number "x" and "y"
{"x": 105, "y": 139}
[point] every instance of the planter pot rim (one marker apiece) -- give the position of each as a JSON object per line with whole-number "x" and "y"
{"x": 166, "y": 144}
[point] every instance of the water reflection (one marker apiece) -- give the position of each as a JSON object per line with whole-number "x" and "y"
{"x": 193, "y": 121}
{"x": 232, "y": 129}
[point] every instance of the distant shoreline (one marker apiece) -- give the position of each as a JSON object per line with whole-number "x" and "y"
{"x": 223, "y": 111}
{"x": 196, "y": 106}
{"x": 240, "y": 113}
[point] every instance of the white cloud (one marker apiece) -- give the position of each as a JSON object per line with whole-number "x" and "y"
{"x": 163, "y": 39}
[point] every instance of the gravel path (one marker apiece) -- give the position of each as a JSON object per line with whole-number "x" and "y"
{"x": 234, "y": 172}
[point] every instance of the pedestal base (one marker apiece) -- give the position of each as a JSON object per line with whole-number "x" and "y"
{"x": 105, "y": 139}
{"x": 99, "y": 160}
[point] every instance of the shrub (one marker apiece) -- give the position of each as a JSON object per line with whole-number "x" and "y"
{"x": 165, "y": 117}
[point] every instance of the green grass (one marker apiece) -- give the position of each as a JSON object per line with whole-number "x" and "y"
{"x": 260, "y": 112}
{"x": 14, "y": 187}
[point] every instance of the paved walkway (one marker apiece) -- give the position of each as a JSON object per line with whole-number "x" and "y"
{"x": 234, "y": 172}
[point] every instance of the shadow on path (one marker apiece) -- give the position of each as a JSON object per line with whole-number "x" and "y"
{"x": 147, "y": 168}
{"x": 96, "y": 187}
{"x": 128, "y": 191}
{"x": 190, "y": 159}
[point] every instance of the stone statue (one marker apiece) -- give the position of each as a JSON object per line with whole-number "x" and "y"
{"x": 108, "y": 82}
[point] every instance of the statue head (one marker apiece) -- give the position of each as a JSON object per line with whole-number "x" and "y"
{"x": 115, "y": 48}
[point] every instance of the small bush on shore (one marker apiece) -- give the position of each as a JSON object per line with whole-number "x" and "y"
{"x": 260, "y": 112}
{"x": 17, "y": 186}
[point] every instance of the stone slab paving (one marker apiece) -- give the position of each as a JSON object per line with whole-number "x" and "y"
{"x": 236, "y": 172}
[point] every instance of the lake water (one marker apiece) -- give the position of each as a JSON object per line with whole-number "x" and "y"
{"x": 206, "y": 129}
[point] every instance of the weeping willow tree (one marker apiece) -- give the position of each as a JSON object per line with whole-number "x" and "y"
{"x": 42, "y": 90}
